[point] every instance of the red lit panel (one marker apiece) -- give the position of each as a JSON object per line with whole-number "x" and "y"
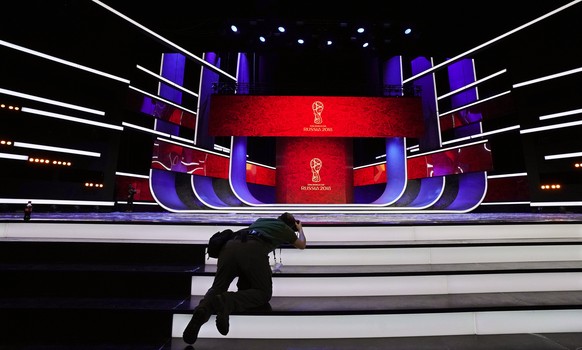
{"x": 314, "y": 170}
{"x": 315, "y": 116}
{"x": 370, "y": 175}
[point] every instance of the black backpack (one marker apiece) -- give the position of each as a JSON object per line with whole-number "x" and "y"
{"x": 218, "y": 240}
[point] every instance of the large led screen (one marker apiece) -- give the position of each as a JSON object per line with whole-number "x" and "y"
{"x": 314, "y": 170}
{"x": 315, "y": 116}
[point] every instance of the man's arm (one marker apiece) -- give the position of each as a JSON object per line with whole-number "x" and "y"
{"x": 300, "y": 242}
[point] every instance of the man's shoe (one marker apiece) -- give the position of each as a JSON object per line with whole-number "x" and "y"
{"x": 222, "y": 316}
{"x": 199, "y": 318}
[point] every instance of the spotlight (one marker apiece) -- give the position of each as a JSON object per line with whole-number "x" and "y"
{"x": 233, "y": 28}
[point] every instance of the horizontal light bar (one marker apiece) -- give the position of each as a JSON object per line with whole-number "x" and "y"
{"x": 555, "y": 204}
{"x": 262, "y": 165}
{"x": 151, "y": 131}
{"x": 475, "y": 103}
{"x": 483, "y": 134}
{"x": 369, "y": 165}
{"x": 551, "y": 127}
{"x": 448, "y": 149}
{"x": 563, "y": 155}
{"x": 548, "y": 77}
{"x": 493, "y": 132}
{"x": 456, "y": 140}
{"x": 167, "y": 81}
{"x": 162, "y": 99}
{"x": 53, "y": 201}
{"x": 56, "y": 149}
{"x": 49, "y": 101}
{"x": 139, "y": 203}
{"x": 168, "y": 42}
{"x": 504, "y": 203}
{"x": 182, "y": 139}
{"x": 69, "y": 118}
{"x": 480, "y": 81}
{"x": 119, "y": 173}
{"x": 13, "y": 156}
{"x": 61, "y": 61}
{"x": 561, "y": 114}
{"x": 487, "y": 43}
{"x": 505, "y": 175}
{"x": 192, "y": 147}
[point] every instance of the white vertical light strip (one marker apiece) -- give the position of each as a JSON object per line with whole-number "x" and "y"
{"x": 400, "y": 58}
{"x": 56, "y": 149}
{"x": 561, "y": 114}
{"x": 475, "y": 83}
{"x": 563, "y": 155}
{"x": 49, "y": 101}
{"x": 163, "y": 56}
{"x": 198, "y": 121}
{"x": 162, "y": 99}
{"x": 436, "y": 107}
{"x": 61, "y": 61}
{"x": 13, "y": 156}
{"x": 69, "y": 118}
{"x": 475, "y": 77}
{"x": 166, "y": 41}
{"x": 238, "y": 58}
{"x": 547, "y": 77}
{"x": 502, "y": 36}
{"x": 169, "y": 82}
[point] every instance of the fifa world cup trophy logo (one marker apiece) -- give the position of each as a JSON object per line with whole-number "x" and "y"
{"x": 315, "y": 165}
{"x": 317, "y": 107}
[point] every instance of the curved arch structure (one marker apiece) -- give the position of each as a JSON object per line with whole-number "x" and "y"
{"x": 396, "y": 157}
{"x": 238, "y": 169}
{"x": 180, "y": 192}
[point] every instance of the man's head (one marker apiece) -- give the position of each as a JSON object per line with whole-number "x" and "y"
{"x": 288, "y": 219}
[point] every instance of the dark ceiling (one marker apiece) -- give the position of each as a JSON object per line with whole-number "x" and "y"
{"x": 440, "y": 28}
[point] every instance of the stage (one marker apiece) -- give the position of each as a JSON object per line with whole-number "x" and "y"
{"x": 309, "y": 219}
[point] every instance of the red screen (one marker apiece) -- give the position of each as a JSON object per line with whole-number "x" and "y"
{"x": 315, "y": 116}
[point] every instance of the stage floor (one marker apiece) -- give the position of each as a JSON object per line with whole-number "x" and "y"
{"x": 331, "y": 219}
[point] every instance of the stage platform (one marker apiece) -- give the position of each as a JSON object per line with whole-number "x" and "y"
{"x": 308, "y": 219}
{"x": 368, "y": 281}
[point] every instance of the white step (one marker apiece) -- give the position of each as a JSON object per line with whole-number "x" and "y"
{"x": 389, "y": 325}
